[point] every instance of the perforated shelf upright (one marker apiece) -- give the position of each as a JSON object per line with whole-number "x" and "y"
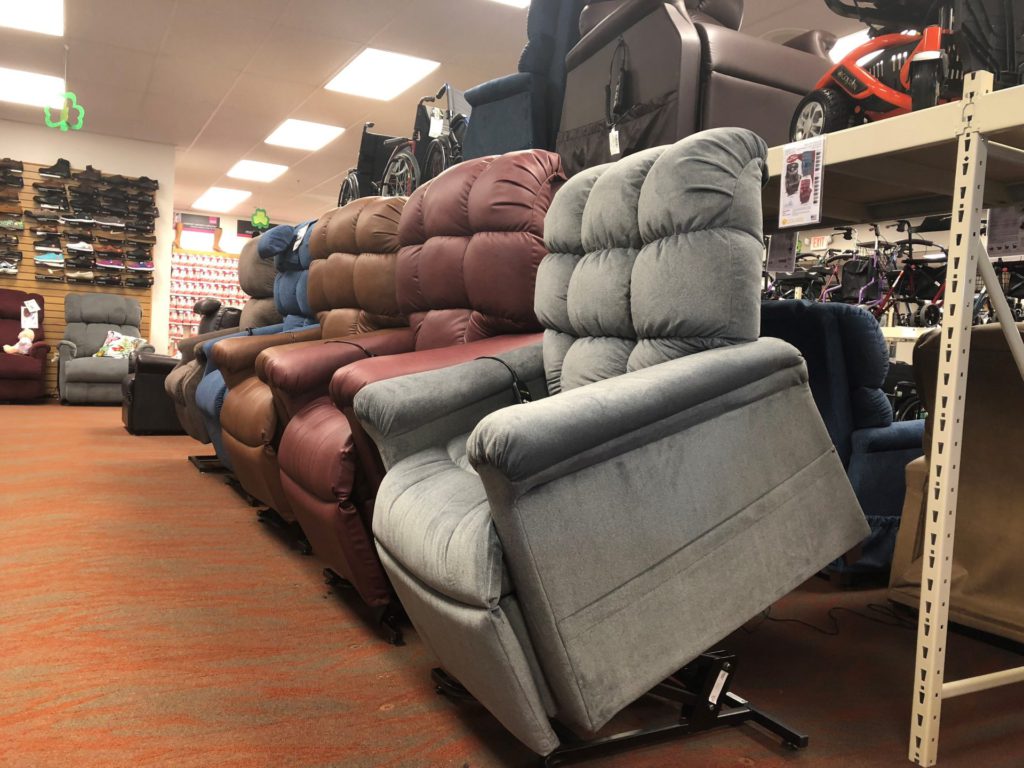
{"x": 961, "y": 157}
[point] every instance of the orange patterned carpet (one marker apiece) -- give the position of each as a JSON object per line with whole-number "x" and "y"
{"x": 147, "y": 619}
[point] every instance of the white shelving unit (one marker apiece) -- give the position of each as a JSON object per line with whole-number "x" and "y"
{"x": 961, "y": 157}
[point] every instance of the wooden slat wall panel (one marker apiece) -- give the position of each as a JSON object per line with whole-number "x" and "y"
{"x": 53, "y": 293}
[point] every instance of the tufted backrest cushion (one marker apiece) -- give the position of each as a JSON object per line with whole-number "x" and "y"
{"x": 352, "y": 277}
{"x": 90, "y": 315}
{"x": 10, "y": 314}
{"x": 291, "y": 296}
{"x": 471, "y": 242}
{"x": 256, "y": 273}
{"x": 652, "y": 258}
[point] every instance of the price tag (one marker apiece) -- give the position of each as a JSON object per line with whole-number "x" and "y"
{"x": 782, "y": 253}
{"x": 1006, "y": 231}
{"x": 32, "y": 306}
{"x": 299, "y": 234}
{"x": 436, "y": 126}
{"x": 613, "y": 142}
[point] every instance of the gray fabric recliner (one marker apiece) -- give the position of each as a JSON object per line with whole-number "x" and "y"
{"x": 82, "y": 378}
{"x": 564, "y": 556}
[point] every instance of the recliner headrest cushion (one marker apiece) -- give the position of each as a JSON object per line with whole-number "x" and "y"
{"x": 276, "y": 240}
{"x": 640, "y": 251}
{"x": 100, "y": 308}
{"x": 256, "y": 274}
{"x": 297, "y": 256}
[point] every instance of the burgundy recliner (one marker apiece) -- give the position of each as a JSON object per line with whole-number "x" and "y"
{"x": 22, "y": 377}
{"x": 471, "y": 241}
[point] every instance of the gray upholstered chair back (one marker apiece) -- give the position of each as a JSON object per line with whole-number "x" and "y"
{"x": 90, "y": 315}
{"x": 256, "y": 277}
{"x": 652, "y": 258}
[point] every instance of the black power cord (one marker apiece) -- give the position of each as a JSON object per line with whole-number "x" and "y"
{"x": 519, "y": 390}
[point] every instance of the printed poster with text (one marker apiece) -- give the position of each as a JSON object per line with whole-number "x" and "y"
{"x": 801, "y": 183}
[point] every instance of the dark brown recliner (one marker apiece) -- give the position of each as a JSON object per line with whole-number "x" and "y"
{"x": 351, "y": 291}
{"x": 988, "y": 571}
{"x": 471, "y": 241}
{"x": 685, "y": 67}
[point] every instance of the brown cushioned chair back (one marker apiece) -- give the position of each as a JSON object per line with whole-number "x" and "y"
{"x": 471, "y": 242}
{"x": 352, "y": 277}
{"x": 988, "y": 571}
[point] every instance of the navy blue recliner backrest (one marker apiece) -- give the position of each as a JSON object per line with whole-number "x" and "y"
{"x": 292, "y": 278}
{"x": 552, "y": 29}
{"x": 847, "y": 360}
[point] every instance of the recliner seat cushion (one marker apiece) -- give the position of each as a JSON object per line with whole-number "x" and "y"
{"x": 609, "y": 302}
{"x": 97, "y": 370}
{"x": 20, "y": 366}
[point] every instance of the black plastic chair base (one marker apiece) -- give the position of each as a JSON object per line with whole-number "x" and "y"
{"x": 702, "y": 690}
{"x": 390, "y": 618}
{"x": 207, "y": 463}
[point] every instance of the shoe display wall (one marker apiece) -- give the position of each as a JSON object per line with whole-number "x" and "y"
{"x": 194, "y": 275}
{"x": 63, "y": 230}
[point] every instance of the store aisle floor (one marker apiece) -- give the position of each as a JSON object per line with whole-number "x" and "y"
{"x": 147, "y": 619}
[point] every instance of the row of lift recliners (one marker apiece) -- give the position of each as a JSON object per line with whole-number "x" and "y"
{"x": 516, "y": 409}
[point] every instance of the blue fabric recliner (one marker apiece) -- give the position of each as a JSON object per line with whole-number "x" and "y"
{"x": 522, "y": 111}
{"x": 847, "y": 359}
{"x": 288, "y": 247}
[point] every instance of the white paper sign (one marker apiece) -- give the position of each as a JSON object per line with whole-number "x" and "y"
{"x": 1006, "y": 231}
{"x": 782, "y": 252}
{"x": 800, "y": 184}
{"x": 299, "y": 234}
{"x": 436, "y": 126}
{"x": 29, "y": 319}
{"x": 32, "y": 305}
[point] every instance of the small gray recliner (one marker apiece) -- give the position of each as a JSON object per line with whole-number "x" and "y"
{"x": 81, "y": 377}
{"x": 671, "y": 479}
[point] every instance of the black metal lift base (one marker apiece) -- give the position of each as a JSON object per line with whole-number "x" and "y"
{"x": 290, "y": 533}
{"x": 702, "y": 690}
{"x": 207, "y": 463}
{"x": 389, "y": 617}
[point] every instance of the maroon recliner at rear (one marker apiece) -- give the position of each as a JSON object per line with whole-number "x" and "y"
{"x": 471, "y": 242}
{"x": 22, "y": 377}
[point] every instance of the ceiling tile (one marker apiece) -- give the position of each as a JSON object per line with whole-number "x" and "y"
{"x": 200, "y": 80}
{"x": 216, "y": 40}
{"x": 173, "y": 119}
{"x": 301, "y": 57}
{"x": 119, "y": 68}
{"x": 354, "y": 20}
{"x": 136, "y": 24}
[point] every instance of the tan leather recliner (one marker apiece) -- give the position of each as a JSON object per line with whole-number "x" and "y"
{"x": 352, "y": 292}
{"x": 988, "y": 570}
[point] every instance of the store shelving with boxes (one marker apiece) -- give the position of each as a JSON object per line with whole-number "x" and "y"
{"x": 198, "y": 275}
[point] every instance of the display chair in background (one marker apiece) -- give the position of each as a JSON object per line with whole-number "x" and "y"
{"x": 22, "y": 377}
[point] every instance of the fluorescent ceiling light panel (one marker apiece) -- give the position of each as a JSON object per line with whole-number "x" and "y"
{"x": 514, "y": 3}
{"x": 32, "y": 89}
{"x": 253, "y": 170}
{"x": 381, "y": 75}
{"x": 43, "y": 16}
{"x": 220, "y": 199}
{"x": 302, "y": 134}
{"x": 847, "y": 43}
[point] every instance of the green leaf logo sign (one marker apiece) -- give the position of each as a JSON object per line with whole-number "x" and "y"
{"x": 259, "y": 219}
{"x": 72, "y": 114}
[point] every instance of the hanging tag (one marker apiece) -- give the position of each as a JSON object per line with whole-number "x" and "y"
{"x": 613, "y": 142}
{"x": 299, "y": 234}
{"x": 436, "y": 126}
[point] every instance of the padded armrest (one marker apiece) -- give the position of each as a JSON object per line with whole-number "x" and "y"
{"x": 408, "y": 413}
{"x": 305, "y": 371}
{"x": 898, "y": 436}
{"x": 815, "y": 41}
{"x": 150, "y": 362}
{"x": 610, "y": 27}
{"x": 66, "y": 349}
{"x": 733, "y": 53}
{"x": 236, "y": 357}
{"x": 38, "y": 350}
{"x": 189, "y": 346}
{"x": 557, "y": 436}
{"x": 499, "y": 88}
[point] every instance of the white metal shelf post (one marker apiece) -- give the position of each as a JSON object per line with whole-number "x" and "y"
{"x": 965, "y": 252}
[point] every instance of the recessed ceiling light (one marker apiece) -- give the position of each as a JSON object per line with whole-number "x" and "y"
{"x": 253, "y": 170}
{"x": 302, "y": 134}
{"x": 43, "y": 16}
{"x": 220, "y": 199}
{"x": 31, "y": 88}
{"x": 381, "y": 75}
{"x": 514, "y": 3}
